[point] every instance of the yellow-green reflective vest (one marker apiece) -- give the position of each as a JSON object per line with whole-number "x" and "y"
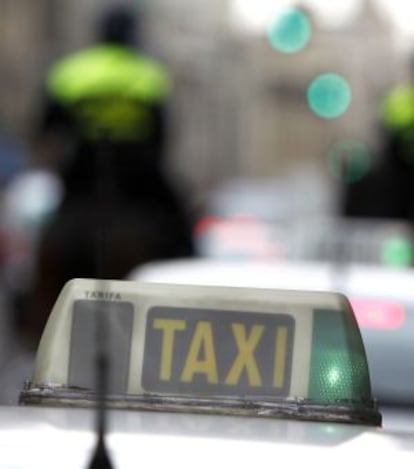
{"x": 109, "y": 89}
{"x": 398, "y": 108}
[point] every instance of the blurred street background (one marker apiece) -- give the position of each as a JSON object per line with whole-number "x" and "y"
{"x": 280, "y": 138}
{"x": 239, "y": 105}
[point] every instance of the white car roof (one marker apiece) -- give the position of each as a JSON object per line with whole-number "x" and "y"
{"x": 358, "y": 279}
{"x": 49, "y": 438}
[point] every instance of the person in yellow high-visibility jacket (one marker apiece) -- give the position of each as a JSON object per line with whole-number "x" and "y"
{"x": 108, "y": 93}
{"x": 387, "y": 191}
{"x": 397, "y": 113}
{"x": 106, "y": 109}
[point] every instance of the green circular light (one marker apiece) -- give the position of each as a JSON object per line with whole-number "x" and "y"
{"x": 349, "y": 160}
{"x": 329, "y": 95}
{"x": 290, "y": 31}
{"x": 397, "y": 252}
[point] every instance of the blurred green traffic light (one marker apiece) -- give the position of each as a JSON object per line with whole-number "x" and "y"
{"x": 290, "y": 31}
{"x": 397, "y": 252}
{"x": 329, "y": 95}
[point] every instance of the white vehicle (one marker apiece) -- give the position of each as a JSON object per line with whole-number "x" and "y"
{"x": 46, "y": 438}
{"x": 234, "y": 376}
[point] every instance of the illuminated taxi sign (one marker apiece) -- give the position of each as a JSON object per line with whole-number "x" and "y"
{"x": 177, "y": 347}
{"x": 196, "y": 351}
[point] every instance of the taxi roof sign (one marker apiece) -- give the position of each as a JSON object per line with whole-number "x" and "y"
{"x": 206, "y": 349}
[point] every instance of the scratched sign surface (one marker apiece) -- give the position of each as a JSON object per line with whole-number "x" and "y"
{"x": 213, "y": 352}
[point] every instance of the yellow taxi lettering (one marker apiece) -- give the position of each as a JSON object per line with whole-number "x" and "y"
{"x": 169, "y": 327}
{"x": 245, "y": 358}
{"x": 202, "y": 344}
{"x": 231, "y": 353}
{"x": 280, "y": 356}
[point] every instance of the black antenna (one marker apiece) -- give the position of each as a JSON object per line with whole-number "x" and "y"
{"x": 100, "y": 458}
{"x": 104, "y": 190}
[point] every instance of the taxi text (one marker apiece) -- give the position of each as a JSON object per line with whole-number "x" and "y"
{"x": 212, "y": 351}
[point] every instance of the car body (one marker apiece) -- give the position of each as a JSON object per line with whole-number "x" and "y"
{"x": 38, "y": 437}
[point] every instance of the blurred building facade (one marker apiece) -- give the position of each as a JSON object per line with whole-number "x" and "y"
{"x": 239, "y": 107}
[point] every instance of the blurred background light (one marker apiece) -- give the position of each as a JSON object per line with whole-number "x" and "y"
{"x": 349, "y": 160}
{"x": 401, "y": 14}
{"x": 290, "y": 31}
{"x": 254, "y": 16}
{"x": 32, "y": 197}
{"x": 329, "y": 95}
{"x": 397, "y": 252}
{"x": 378, "y": 313}
{"x": 335, "y": 14}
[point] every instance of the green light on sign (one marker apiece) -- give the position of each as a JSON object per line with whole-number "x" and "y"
{"x": 290, "y": 31}
{"x": 349, "y": 160}
{"x": 329, "y": 95}
{"x": 338, "y": 362}
{"x": 334, "y": 376}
